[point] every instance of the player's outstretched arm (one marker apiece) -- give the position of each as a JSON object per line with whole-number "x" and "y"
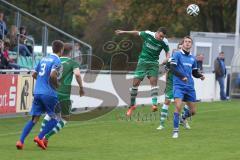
{"x": 118, "y": 32}
{"x": 79, "y": 81}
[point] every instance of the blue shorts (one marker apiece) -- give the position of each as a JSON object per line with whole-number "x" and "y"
{"x": 44, "y": 104}
{"x": 187, "y": 94}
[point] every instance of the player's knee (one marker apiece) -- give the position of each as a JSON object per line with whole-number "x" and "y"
{"x": 167, "y": 102}
{"x": 178, "y": 109}
{"x": 136, "y": 82}
{"x": 193, "y": 112}
{"x": 153, "y": 82}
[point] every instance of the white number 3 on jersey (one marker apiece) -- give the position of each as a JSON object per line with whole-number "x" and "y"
{"x": 42, "y": 69}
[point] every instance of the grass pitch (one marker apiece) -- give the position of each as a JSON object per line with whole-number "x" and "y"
{"x": 215, "y": 135}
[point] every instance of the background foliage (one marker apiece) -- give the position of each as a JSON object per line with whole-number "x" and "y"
{"x": 94, "y": 21}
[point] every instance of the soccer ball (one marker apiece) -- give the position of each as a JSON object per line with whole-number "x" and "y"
{"x": 193, "y": 10}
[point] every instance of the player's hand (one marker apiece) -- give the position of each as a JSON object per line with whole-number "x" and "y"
{"x": 202, "y": 78}
{"x": 117, "y": 32}
{"x": 81, "y": 92}
{"x": 185, "y": 79}
{"x": 164, "y": 62}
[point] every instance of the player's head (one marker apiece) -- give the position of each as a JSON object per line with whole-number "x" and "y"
{"x": 6, "y": 44}
{"x": 68, "y": 47}
{"x": 187, "y": 43}
{"x": 57, "y": 47}
{"x": 161, "y": 33}
{"x": 200, "y": 57}
{"x": 23, "y": 30}
{"x": 221, "y": 55}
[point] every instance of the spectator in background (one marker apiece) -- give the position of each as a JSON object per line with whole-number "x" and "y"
{"x": 200, "y": 58}
{"x": 3, "y": 60}
{"x": 77, "y": 53}
{"x": 3, "y": 26}
{"x": 25, "y": 39}
{"x": 11, "y": 62}
{"x": 220, "y": 74}
{"x": 13, "y": 37}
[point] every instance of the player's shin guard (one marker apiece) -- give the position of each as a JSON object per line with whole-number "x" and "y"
{"x": 28, "y": 127}
{"x": 186, "y": 112}
{"x": 133, "y": 93}
{"x": 175, "y": 122}
{"x": 154, "y": 94}
{"x": 164, "y": 114}
{"x": 46, "y": 119}
{"x": 56, "y": 129}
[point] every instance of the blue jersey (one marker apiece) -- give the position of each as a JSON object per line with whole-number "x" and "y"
{"x": 184, "y": 64}
{"x": 44, "y": 69}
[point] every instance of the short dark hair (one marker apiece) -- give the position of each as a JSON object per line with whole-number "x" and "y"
{"x": 68, "y": 47}
{"x": 22, "y": 28}
{"x": 57, "y": 46}
{"x": 221, "y": 52}
{"x": 162, "y": 29}
{"x": 188, "y": 37}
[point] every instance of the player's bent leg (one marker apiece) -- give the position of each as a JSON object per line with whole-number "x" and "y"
{"x": 39, "y": 140}
{"x": 164, "y": 113}
{"x": 50, "y": 104}
{"x": 192, "y": 107}
{"x": 59, "y": 126}
{"x": 46, "y": 119}
{"x": 133, "y": 94}
{"x": 26, "y": 130}
{"x": 48, "y": 126}
{"x": 183, "y": 119}
{"x": 178, "y": 103}
{"x": 154, "y": 92}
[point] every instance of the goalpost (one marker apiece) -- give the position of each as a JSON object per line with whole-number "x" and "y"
{"x": 235, "y": 65}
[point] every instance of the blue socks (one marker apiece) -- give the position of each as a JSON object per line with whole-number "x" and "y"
{"x": 28, "y": 127}
{"x": 176, "y": 121}
{"x": 48, "y": 127}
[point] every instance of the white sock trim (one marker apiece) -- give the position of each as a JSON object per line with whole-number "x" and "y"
{"x": 47, "y": 117}
{"x": 154, "y": 87}
{"x": 55, "y": 130}
{"x": 165, "y": 106}
{"x": 64, "y": 121}
{"x": 186, "y": 106}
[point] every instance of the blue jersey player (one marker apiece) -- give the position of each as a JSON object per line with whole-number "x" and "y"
{"x": 45, "y": 100}
{"x": 183, "y": 66}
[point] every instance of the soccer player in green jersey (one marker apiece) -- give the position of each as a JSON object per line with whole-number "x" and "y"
{"x": 70, "y": 68}
{"x": 169, "y": 94}
{"x": 148, "y": 65}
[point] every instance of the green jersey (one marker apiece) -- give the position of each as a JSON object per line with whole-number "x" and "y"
{"x": 152, "y": 47}
{"x": 64, "y": 89}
